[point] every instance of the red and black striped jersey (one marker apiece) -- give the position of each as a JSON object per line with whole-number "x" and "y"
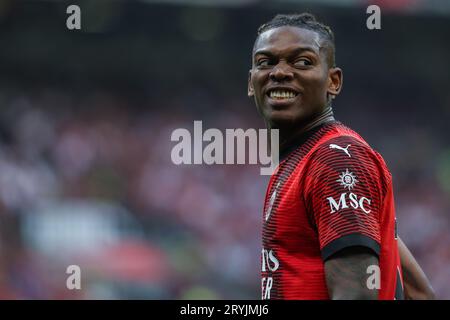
{"x": 329, "y": 192}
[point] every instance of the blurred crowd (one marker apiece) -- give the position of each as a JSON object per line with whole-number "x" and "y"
{"x": 197, "y": 227}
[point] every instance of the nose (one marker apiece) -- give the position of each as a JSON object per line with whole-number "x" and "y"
{"x": 281, "y": 72}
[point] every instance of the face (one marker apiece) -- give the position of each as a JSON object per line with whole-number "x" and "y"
{"x": 290, "y": 79}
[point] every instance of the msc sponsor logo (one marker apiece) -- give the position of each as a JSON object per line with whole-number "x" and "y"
{"x": 347, "y": 179}
{"x": 349, "y": 200}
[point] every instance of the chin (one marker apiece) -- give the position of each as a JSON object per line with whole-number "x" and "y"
{"x": 279, "y": 119}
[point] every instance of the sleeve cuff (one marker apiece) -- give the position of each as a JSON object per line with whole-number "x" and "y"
{"x": 350, "y": 240}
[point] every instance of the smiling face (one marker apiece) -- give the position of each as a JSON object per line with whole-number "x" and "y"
{"x": 291, "y": 79}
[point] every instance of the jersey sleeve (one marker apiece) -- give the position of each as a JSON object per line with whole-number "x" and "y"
{"x": 344, "y": 190}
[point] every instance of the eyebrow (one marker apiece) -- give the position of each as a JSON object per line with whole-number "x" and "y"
{"x": 293, "y": 52}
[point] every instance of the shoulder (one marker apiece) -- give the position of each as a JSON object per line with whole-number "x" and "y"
{"x": 343, "y": 148}
{"x": 344, "y": 145}
{"x": 346, "y": 151}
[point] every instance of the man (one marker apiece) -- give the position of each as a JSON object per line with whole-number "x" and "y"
{"x": 329, "y": 220}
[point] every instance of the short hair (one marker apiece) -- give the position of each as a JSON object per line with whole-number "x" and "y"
{"x": 305, "y": 21}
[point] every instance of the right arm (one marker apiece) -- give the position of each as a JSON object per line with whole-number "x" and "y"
{"x": 416, "y": 284}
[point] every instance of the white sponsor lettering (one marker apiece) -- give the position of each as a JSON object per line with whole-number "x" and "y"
{"x": 269, "y": 263}
{"x": 266, "y": 287}
{"x": 268, "y": 257}
{"x": 354, "y": 202}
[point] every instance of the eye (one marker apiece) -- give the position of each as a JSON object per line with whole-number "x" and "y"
{"x": 264, "y": 62}
{"x": 302, "y": 62}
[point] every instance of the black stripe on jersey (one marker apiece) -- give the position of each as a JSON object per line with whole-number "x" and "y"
{"x": 350, "y": 240}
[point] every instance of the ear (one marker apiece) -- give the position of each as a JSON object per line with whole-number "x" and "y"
{"x": 335, "y": 80}
{"x": 250, "y": 90}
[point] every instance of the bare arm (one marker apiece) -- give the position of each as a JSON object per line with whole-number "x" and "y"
{"x": 346, "y": 274}
{"x": 416, "y": 284}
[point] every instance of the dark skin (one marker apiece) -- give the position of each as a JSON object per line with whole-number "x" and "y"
{"x": 416, "y": 284}
{"x": 346, "y": 274}
{"x": 298, "y": 61}
{"x": 294, "y": 59}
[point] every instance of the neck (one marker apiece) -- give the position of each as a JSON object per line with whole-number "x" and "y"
{"x": 287, "y": 136}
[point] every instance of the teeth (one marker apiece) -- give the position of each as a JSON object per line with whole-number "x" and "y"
{"x": 282, "y": 94}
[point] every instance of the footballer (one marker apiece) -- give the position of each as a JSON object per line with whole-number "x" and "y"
{"x": 330, "y": 230}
